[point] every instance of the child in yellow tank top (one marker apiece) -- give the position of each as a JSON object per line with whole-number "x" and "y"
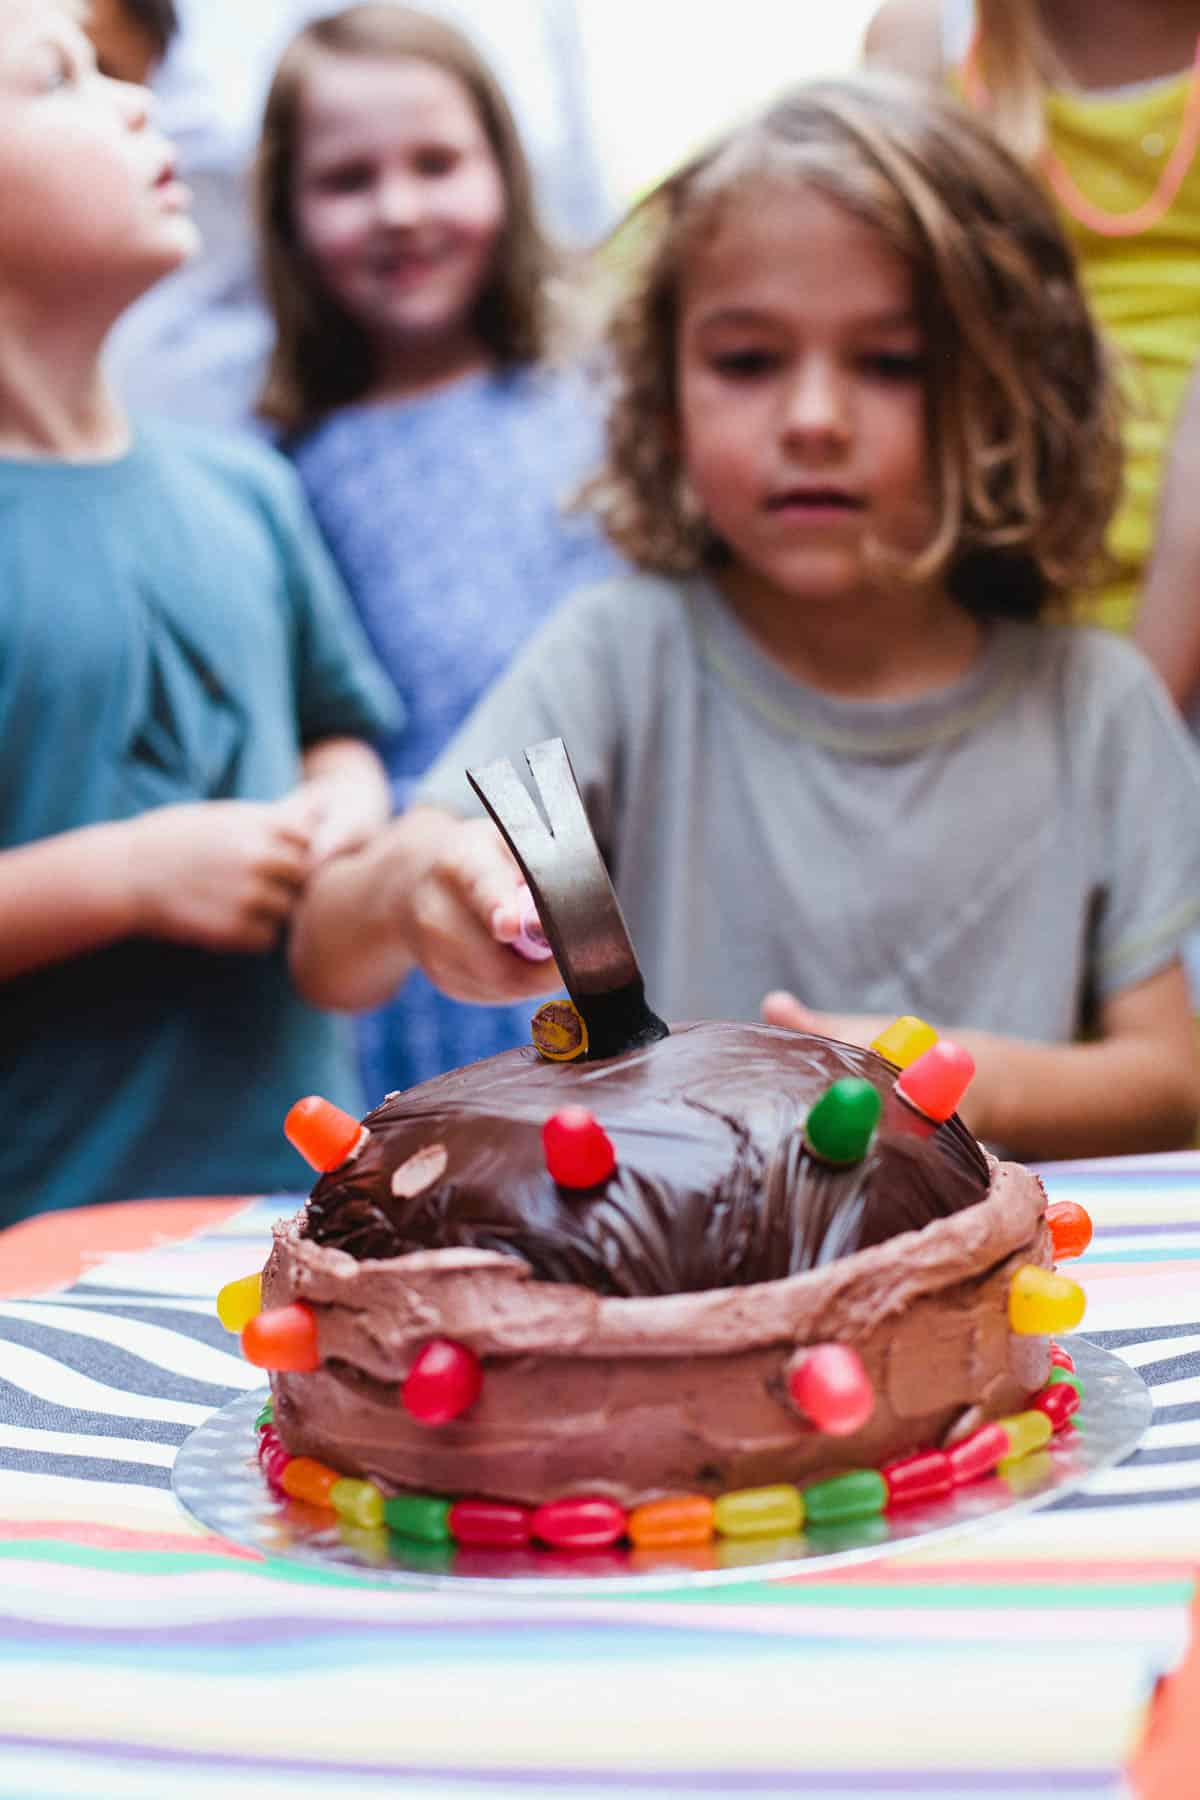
{"x": 1121, "y": 156}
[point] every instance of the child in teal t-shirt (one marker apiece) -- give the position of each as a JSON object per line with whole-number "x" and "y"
{"x": 183, "y": 691}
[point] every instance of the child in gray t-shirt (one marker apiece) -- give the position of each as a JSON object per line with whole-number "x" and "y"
{"x": 862, "y": 436}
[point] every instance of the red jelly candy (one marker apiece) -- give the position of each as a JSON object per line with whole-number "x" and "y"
{"x": 1070, "y": 1229}
{"x": 1061, "y": 1359}
{"x": 1057, "y": 1402}
{"x": 925, "y": 1476}
{"x": 490, "y": 1524}
{"x": 579, "y": 1152}
{"x": 978, "y": 1454}
{"x": 284, "y": 1337}
{"x": 322, "y": 1133}
{"x": 830, "y": 1386}
{"x": 444, "y": 1380}
{"x": 937, "y": 1080}
{"x": 268, "y": 1440}
{"x": 274, "y": 1463}
{"x": 588, "y": 1522}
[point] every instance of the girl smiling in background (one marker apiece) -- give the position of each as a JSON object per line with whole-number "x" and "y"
{"x": 409, "y": 280}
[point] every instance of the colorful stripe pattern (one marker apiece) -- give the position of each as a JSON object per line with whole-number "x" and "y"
{"x": 140, "y": 1654}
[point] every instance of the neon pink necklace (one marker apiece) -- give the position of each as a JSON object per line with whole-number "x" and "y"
{"x": 1069, "y": 196}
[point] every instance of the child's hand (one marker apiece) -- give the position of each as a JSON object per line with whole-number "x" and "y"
{"x": 222, "y": 874}
{"x": 343, "y": 814}
{"x": 780, "y": 1008}
{"x": 465, "y": 916}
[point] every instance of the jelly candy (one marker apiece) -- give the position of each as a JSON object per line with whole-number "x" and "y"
{"x": 587, "y": 1522}
{"x": 1040, "y": 1303}
{"x": 1066, "y": 1378}
{"x": 759, "y": 1512}
{"x": 662, "y": 1524}
{"x": 1026, "y": 1431}
{"x": 1070, "y": 1229}
{"x": 579, "y": 1153}
{"x": 240, "y": 1301}
{"x": 906, "y": 1038}
{"x": 268, "y": 1440}
{"x": 445, "y": 1379}
{"x": 322, "y": 1133}
{"x": 927, "y": 1475}
{"x": 285, "y": 1338}
{"x": 358, "y": 1502}
{"x": 1058, "y": 1401}
{"x": 274, "y": 1464}
{"x": 306, "y": 1479}
{"x": 424, "y": 1516}
{"x": 491, "y": 1524}
{"x": 839, "y": 1125}
{"x": 978, "y": 1454}
{"x": 937, "y": 1080}
{"x": 1062, "y": 1359}
{"x": 855, "y": 1495}
{"x": 830, "y": 1386}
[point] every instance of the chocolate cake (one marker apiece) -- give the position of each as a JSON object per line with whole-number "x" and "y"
{"x": 635, "y": 1339}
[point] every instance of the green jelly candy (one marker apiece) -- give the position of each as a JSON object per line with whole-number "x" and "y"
{"x": 839, "y": 1125}
{"x": 421, "y": 1516}
{"x": 265, "y": 1417}
{"x": 1072, "y": 1380}
{"x": 858, "y": 1495}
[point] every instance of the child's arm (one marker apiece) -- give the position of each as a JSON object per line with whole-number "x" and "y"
{"x": 1168, "y": 622}
{"x": 431, "y": 889}
{"x": 1137, "y": 1088}
{"x": 348, "y": 786}
{"x": 222, "y": 874}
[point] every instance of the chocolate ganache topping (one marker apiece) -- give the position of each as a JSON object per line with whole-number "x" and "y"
{"x": 714, "y": 1185}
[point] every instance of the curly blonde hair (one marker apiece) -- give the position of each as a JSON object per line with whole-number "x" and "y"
{"x": 1021, "y": 409}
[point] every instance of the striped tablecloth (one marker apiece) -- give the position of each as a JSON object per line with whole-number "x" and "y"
{"x": 143, "y": 1656}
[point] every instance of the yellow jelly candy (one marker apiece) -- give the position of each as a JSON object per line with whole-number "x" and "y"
{"x": 1040, "y": 1304}
{"x": 359, "y": 1503}
{"x": 904, "y": 1040}
{"x": 759, "y": 1512}
{"x": 1026, "y": 1431}
{"x": 239, "y": 1302}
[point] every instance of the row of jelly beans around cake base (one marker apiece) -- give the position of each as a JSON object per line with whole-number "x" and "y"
{"x": 595, "y": 1522}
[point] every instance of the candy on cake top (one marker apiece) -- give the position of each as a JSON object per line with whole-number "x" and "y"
{"x": 715, "y": 1183}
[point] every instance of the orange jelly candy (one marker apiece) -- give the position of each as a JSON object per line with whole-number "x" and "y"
{"x": 1070, "y": 1229}
{"x": 322, "y": 1133}
{"x": 306, "y": 1479}
{"x": 663, "y": 1524}
{"x": 283, "y": 1338}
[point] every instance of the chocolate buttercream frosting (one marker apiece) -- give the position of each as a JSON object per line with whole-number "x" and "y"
{"x": 714, "y": 1185}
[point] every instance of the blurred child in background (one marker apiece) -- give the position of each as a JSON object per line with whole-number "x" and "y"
{"x": 864, "y": 437}
{"x": 183, "y": 689}
{"x": 1102, "y": 98}
{"x": 410, "y": 282}
{"x": 131, "y": 37}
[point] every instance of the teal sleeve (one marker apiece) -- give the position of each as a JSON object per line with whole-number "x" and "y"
{"x": 341, "y": 689}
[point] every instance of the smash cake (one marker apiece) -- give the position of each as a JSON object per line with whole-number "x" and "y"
{"x": 726, "y": 1281}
